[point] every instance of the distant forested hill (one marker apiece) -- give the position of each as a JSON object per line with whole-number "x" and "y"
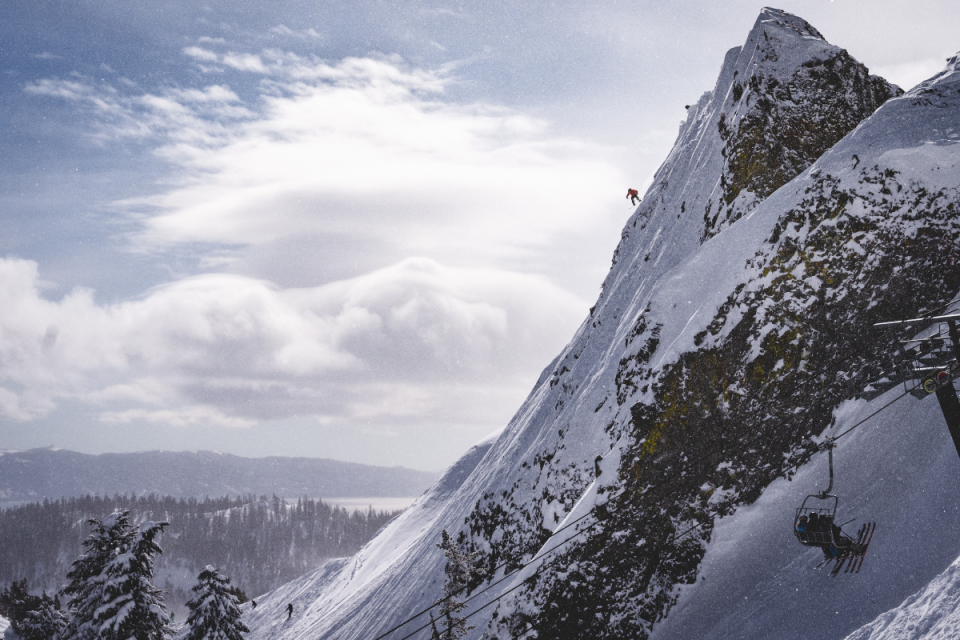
{"x": 48, "y": 473}
{"x": 260, "y": 543}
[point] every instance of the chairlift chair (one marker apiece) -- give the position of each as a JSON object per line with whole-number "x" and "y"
{"x": 826, "y": 534}
{"x": 825, "y": 508}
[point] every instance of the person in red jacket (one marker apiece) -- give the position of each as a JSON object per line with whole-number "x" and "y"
{"x": 634, "y": 196}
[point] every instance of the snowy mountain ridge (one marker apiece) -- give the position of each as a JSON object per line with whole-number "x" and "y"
{"x": 719, "y": 342}
{"x": 30, "y": 476}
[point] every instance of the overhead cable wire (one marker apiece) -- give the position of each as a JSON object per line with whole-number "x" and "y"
{"x": 873, "y": 414}
{"x": 514, "y": 572}
{"x": 495, "y": 569}
{"x": 505, "y": 576}
{"x": 578, "y": 533}
{"x": 538, "y": 570}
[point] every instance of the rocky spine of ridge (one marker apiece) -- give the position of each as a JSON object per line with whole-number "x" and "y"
{"x": 778, "y": 121}
{"x": 707, "y": 432}
{"x": 782, "y": 51}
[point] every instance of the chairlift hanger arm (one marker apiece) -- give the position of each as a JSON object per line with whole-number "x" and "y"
{"x": 829, "y": 445}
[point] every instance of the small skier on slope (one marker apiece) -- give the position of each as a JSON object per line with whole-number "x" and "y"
{"x": 634, "y": 196}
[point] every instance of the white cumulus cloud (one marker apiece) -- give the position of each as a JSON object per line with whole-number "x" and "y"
{"x": 401, "y": 343}
{"x": 388, "y": 256}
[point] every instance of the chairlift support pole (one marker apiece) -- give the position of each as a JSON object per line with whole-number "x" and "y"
{"x": 947, "y": 397}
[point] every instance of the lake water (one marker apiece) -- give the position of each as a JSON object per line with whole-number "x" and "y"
{"x": 378, "y": 504}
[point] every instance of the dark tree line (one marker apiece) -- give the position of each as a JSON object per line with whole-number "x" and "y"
{"x": 260, "y": 542}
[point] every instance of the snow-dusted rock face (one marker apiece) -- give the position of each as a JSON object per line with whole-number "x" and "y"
{"x": 793, "y": 97}
{"x": 894, "y": 184}
{"x": 747, "y": 347}
{"x": 716, "y": 345}
{"x": 780, "y": 101}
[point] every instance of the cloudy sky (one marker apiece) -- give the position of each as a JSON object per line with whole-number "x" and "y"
{"x": 355, "y": 230}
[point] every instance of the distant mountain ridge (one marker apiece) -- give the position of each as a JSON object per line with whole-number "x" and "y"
{"x": 49, "y": 473}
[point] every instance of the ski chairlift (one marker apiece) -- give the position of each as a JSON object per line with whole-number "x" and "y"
{"x": 814, "y": 525}
{"x": 929, "y": 365}
{"x": 926, "y": 364}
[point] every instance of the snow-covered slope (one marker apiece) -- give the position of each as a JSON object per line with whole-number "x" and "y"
{"x": 756, "y": 581}
{"x": 719, "y": 341}
{"x": 383, "y": 583}
{"x": 931, "y": 614}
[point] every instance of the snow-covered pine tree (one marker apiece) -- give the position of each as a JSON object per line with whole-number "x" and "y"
{"x": 85, "y": 587}
{"x": 46, "y": 622}
{"x": 132, "y": 608}
{"x": 460, "y": 568}
{"x": 214, "y": 609}
{"x": 16, "y": 602}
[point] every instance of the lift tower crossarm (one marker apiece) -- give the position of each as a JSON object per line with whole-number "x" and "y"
{"x": 894, "y": 323}
{"x": 942, "y": 381}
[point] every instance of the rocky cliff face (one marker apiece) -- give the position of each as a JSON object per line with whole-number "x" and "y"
{"x": 706, "y": 428}
{"x": 711, "y": 430}
{"x": 719, "y": 341}
{"x": 784, "y": 110}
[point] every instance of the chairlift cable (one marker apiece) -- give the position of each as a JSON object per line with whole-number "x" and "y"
{"x": 495, "y": 569}
{"x": 538, "y": 570}
{"x": 509, "y": 574}
{"x": 504, "y": 577}
{"x": 837, "y": 437}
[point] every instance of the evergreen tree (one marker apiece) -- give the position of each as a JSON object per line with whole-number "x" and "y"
{"x": 460, "y": 567}
{"x": 112, "y": 596}
{"x": 86, "y": 576}
{"x": 132, "y": 607}
{"x": 240, "y": 536}
{"x": 214, "y": 609}
{"x": 238, "y": 593}
{"x": 16, "y": 603}
{"x": 46, "y": 622}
